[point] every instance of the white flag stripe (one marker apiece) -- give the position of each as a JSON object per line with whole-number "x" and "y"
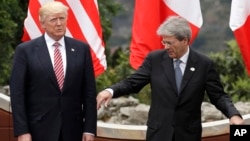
{"x": 99, "y": 51}
{"x": 31, "y": 26}
{"x": 68, "y": 33}
{"x": 240, "y": 10}
{"x": 44, "y": 1}
{"x": 84, "y": 22}
{"x": 96, "y": 4}
{"x": 33, "y": 30}
{"x": 184, "y": 8}
{"x": 88, "y": 30}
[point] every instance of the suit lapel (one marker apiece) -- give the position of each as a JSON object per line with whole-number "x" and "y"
{"x": 169, "y": 71}
{"x": 45, "y": 60}
{"x": 71, "y": 55}
{"x": 190, "y": 69}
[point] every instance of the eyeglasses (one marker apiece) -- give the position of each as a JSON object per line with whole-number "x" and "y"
{"x": 167, "y": 43}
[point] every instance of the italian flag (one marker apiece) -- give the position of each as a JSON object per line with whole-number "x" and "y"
{"x": 240, "y": 25}
{"x": 149, "y": 14}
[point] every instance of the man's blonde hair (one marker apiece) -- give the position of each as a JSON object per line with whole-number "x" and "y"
{"x": 52, "y": 7}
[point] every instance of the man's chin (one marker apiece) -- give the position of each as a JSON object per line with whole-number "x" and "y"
{"x": 60, "y": 34}
{"x": 171, "y": 55}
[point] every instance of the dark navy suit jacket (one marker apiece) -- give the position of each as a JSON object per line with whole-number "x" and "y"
{"x": 38, "y": 105}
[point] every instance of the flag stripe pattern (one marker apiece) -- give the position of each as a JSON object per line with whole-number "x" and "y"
{"x": 240, "y": 24}
{"x": 149, "y": 14}
{"x": 83, "y": 24}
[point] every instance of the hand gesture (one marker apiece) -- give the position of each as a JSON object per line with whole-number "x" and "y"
{"x": 103, "y": 97}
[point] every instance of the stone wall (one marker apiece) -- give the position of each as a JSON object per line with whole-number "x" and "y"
{"x": 121, "y": 109}
{"x": 128, "y": 111}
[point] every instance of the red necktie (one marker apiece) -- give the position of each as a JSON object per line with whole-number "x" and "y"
{"x": 58, "y": 65}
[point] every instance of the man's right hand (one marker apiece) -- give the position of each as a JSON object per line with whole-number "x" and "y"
{"x": 24, "y": 137}
{"x": 103, "y": 97}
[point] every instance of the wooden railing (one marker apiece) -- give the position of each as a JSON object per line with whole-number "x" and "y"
{"x": 212, "y": 131}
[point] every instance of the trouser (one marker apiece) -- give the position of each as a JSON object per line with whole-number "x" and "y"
{"x": 60, "y": 136}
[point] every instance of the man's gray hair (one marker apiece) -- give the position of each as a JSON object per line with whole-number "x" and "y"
{"x": 175, "y": 26}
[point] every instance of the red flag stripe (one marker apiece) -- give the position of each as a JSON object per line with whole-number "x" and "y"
{"x": 92, "y": 10}
{"x": 240, "y": 25}
{"x": 242, "y": 35}
{"x": 34, "y": 6}
{"x": 72, "y": 24}
{"x": 79, "y": 14}
{"x": 34, "y": 28}
{"x": 87, "y": 27}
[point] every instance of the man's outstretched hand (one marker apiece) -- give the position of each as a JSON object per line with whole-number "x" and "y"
{"x": 103, "y": 97}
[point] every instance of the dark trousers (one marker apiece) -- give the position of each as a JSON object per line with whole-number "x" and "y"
{"x": 173, "y": 137}
{"x": 60, "y": 136}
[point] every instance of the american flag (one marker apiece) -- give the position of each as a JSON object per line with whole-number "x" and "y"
{"x": 83, "y": 24}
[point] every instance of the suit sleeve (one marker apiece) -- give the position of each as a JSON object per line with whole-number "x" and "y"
{"x": 135, "y": 82}
{"x": 17, "y": 92}
{"x": 216, "y": 94}
{"x": 89, "y": 88}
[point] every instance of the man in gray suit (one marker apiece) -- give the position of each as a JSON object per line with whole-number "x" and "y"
{"x": 51, "y": 106}
{"x": 175, "y": 113}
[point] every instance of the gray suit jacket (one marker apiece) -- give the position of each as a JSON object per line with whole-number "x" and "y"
{"x": 173, "y": 115}
{"x": 38, "y": 105}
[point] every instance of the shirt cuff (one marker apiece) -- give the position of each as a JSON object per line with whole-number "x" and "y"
{"x": 89, "y": 133}
{"x": 111, "y": 91}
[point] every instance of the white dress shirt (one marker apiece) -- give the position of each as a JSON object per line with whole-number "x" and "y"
{"x": 183, "y": 63}
{"x": 51, "y": 48}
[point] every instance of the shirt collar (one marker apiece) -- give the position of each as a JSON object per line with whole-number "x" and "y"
{"x": 184, "y": 57}
{"x": 51, "y": 41}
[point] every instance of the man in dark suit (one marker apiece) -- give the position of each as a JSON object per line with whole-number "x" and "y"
{"x": 47, "y": 106}
{"x": 175, "y": 113}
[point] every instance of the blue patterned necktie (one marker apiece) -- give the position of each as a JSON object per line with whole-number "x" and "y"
{"x": 178, "y": 74}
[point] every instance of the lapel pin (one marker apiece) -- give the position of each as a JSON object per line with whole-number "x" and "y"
{"x": 192, "y": 69}
{"x": 72, "y": 49}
